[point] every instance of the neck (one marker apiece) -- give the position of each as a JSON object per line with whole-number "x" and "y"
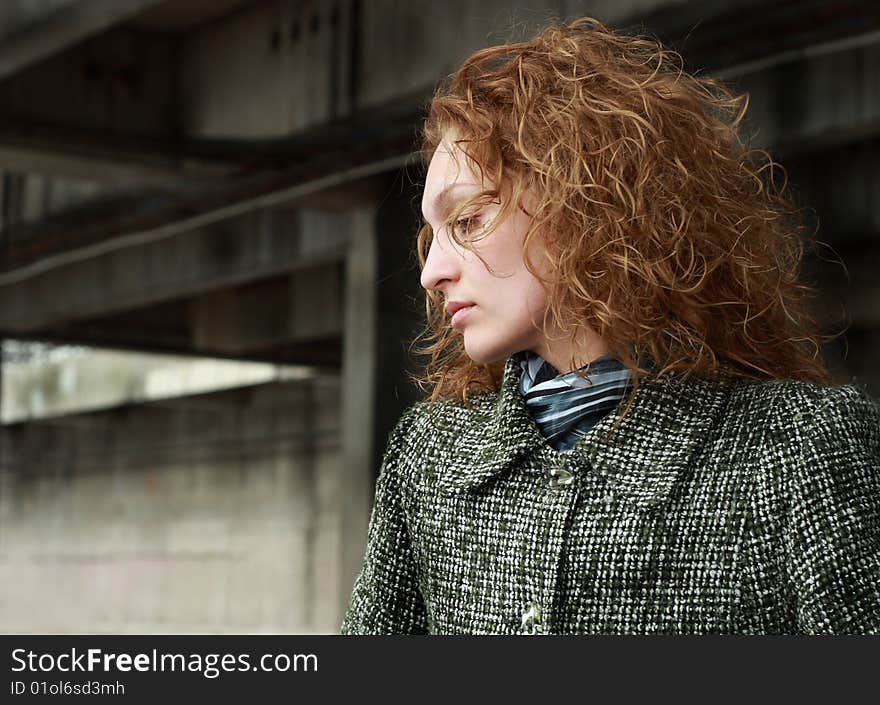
{"x": 560, "y": 353}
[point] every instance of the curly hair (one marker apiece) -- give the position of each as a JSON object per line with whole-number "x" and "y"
{"x": 666, "y": 233}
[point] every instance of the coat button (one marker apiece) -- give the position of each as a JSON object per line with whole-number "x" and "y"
{"x": 560, "y": 477}
{"x": 531, "y": 620}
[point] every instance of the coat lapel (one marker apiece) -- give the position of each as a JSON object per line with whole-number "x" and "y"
{"x": 641, "y": 460}
{"x": 667, "y": 427}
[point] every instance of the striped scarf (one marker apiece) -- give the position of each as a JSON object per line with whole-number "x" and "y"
{"x": 565, "y": 407}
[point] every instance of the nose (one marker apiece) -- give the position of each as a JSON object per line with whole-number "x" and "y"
{"x": 442, "y": 265}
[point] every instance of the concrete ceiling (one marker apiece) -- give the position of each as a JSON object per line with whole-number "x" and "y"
{"x": 185, "y": 110}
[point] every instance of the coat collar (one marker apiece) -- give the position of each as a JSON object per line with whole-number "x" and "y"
{"x": 641, "y": 460}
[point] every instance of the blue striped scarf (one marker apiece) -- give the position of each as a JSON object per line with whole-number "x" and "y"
{"x": 565, "y": 407}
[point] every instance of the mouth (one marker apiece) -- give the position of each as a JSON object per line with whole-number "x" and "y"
{"x": 460, "y": 314}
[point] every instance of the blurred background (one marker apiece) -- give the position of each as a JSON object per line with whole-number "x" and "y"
{"x": 207, "y": 279}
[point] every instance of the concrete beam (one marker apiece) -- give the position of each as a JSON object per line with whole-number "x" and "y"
{"x": 291, "y": 67}
{"x": 339, "y": 175}
{"x": 717, "y": 34}
{"x": 287, "y": 67}
{"x": 305, "y": 306}
{"x": 38, "y": 30}
{"x": 253, "y": 247}
{"x": 823, "y": 97}
{"x": 120, "y": 83}
{"x": 75, "y": 155}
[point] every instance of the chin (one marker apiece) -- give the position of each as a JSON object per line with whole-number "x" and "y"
{"x": 486, "y": 354}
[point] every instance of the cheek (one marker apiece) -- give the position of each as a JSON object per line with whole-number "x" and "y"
{"x": 536, "y": 297}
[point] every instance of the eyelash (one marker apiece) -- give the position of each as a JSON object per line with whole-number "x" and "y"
{"x": 466, "y": 223}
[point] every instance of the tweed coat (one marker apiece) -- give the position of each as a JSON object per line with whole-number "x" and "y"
{"x": 715, "y": 507}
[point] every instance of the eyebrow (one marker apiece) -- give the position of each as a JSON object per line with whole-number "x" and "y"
{"x": 444, "y": 201}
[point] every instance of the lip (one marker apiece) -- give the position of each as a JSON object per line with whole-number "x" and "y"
{"x": 459, "y": 311}
{"x": 453, "y": 306}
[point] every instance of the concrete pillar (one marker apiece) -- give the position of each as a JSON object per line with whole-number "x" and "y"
{"x": 357, "y": 396}
{"x": 382, "y": 313}
{"x": 400, "y": 302}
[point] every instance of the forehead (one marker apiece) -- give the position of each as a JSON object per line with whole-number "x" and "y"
{"x": 449, "y": 173}
{"x": 449, "y": 163}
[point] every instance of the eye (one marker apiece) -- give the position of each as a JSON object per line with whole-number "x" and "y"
{"x": 466, "y": 224}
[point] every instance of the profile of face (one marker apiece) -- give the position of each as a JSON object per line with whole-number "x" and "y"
{"x": 504, "y": 303}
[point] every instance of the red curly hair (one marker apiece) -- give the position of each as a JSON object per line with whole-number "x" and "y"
{"x": 667, "y": 234}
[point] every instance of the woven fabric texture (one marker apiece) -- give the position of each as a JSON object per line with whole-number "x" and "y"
{"x": 715, "y": 507}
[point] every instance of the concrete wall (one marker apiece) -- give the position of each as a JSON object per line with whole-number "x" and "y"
{"x": 213, "y": 513}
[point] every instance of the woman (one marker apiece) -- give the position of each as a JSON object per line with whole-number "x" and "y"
{"x": 629, "y": 429}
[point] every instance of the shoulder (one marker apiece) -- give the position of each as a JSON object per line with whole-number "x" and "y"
{"x": 791, "y": 436}
{"x": 810, "y": 413}
{"x": 439, "y": 430}
{"x": 825, "y": 459}
{"x": 834, "y": 432}
{"x": 796, "y": 408}
{"x": 435, "y": 423}
{"x": 821, "y": 444}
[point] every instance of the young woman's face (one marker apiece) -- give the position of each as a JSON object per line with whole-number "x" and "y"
{"x": 505, "y": 306}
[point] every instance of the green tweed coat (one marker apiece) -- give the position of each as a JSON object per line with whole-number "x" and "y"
{"x": 716, "y": 507}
